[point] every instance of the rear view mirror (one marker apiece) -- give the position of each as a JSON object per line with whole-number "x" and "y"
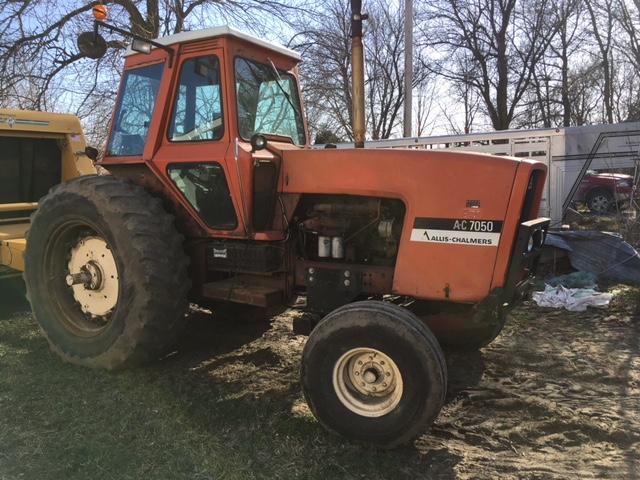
{"x": 140, "y": 46}
{"x": 92, "y": 45}
{"x": 92, "y": 153}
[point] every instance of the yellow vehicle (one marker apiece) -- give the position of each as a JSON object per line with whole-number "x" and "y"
{"x": 37, "y": 151}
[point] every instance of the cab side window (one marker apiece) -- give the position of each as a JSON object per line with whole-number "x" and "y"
{"x": 197, "y": 110}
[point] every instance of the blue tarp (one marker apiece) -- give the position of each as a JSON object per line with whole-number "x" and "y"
{"x": 604, "y": 254}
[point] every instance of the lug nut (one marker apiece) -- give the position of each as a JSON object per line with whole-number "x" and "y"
{"x": 347, "y": 283}
{"x": 347, "y": 273}
{"x": 312, "y": 270}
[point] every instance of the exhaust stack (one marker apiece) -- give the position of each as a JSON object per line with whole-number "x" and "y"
{"x": 357, "y": 73}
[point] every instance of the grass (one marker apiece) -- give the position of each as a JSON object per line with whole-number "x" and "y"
{"x": 226, "y": 405}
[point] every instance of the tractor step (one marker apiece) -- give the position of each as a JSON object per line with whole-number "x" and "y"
{"x": 253, "y": 290}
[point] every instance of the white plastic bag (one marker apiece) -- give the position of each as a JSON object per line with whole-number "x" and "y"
{"x": 573, "y": 299}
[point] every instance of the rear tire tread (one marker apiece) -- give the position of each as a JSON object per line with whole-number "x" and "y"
{"x": 156, "y": 318}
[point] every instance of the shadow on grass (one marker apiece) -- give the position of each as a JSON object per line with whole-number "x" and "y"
{"x": 12, "y": 296}
{"x": 224, "y": 404}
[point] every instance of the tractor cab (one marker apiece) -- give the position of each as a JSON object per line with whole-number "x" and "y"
{"x": 215, "y": 85}
{"x": 189, "y": 106}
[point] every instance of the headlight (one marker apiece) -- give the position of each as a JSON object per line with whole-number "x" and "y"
{"x": 538, "y": 238}
{"x": 530, "y": 245}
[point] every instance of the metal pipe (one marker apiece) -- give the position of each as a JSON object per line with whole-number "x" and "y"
{"x": 357, "y": 73}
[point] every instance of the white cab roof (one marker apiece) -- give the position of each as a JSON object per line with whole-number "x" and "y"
{"x": 219, "y": 32}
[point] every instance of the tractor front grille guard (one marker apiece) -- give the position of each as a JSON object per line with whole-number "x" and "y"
{"x": 526, "y": 253}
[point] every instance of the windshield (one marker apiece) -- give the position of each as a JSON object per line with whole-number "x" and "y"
{"x": 135, "y": 109}
{"x": 263, "y": 106}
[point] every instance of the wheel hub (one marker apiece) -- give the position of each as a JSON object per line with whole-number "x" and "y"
{"x": 367, "y": 382}
{"x": 93, "y": 276}
{"x": 600, "y": 203}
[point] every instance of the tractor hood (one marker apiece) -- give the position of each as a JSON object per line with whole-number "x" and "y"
{"x": 442, "y": 180}
{"x": 437, "y": 188}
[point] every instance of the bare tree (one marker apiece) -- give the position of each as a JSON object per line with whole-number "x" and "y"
{"x": 588, "y": 73}
{"x": 628, "y": 46}
{"x": 585, "y": 94}
{"x": 426, "y": 96}
{"x": 602, "y": 30}
{"x": 326, "y": 47}
{"x": 39, "y": 58}
{"x": 385, "y": 70}
{"x": 628, "y": 16}
{"x": 551, "y": 80}
{"x": 467, "y": 100}
{"x": 569, "y": 37}
{"x": 504, "y": 40}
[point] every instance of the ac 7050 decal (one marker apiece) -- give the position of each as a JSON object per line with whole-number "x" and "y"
{"x": 457, "y": 231}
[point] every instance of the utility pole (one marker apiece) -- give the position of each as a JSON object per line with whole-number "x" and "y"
{"x": 357, "y": 73}
{"x": 408, "y": 67}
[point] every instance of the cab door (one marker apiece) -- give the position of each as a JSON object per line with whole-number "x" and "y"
{"x": 193, "y": 153}
{"x": 267, "y": 103}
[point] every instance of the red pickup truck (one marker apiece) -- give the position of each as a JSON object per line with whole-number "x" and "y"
{"x": 602, "y": 192}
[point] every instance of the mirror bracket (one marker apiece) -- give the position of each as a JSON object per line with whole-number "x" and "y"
{"x": 113, "y": 28}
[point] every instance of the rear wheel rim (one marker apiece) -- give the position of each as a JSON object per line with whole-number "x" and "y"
{"x": 600, "y": 203}
{"x": 93, "y": 261}
{"x": 77, "y": 248}
{"x": 367, "y": 382}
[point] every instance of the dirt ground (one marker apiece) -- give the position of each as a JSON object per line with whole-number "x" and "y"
{"x": 557, "y": 395}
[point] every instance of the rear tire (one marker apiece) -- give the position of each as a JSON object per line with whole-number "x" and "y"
{"x": 403, "y": 370}
{"x": 133, "y": 298}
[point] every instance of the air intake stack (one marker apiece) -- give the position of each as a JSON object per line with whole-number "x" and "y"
{"x": 357, "y": 72}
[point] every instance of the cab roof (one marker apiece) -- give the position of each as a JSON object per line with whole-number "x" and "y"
{"x": 222, "y": 31}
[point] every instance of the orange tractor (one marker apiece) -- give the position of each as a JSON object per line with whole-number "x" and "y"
{"x": 214, "y": 196}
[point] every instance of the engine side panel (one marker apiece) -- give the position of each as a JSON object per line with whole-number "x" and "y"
{"x": 456, "y": 210}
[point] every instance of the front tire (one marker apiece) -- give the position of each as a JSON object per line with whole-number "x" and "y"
{"x": 106, "y": 273}
{"x": 373, "y": 372}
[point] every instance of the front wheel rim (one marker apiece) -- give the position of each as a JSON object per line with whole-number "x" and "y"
{"x": 367, "y": 382}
